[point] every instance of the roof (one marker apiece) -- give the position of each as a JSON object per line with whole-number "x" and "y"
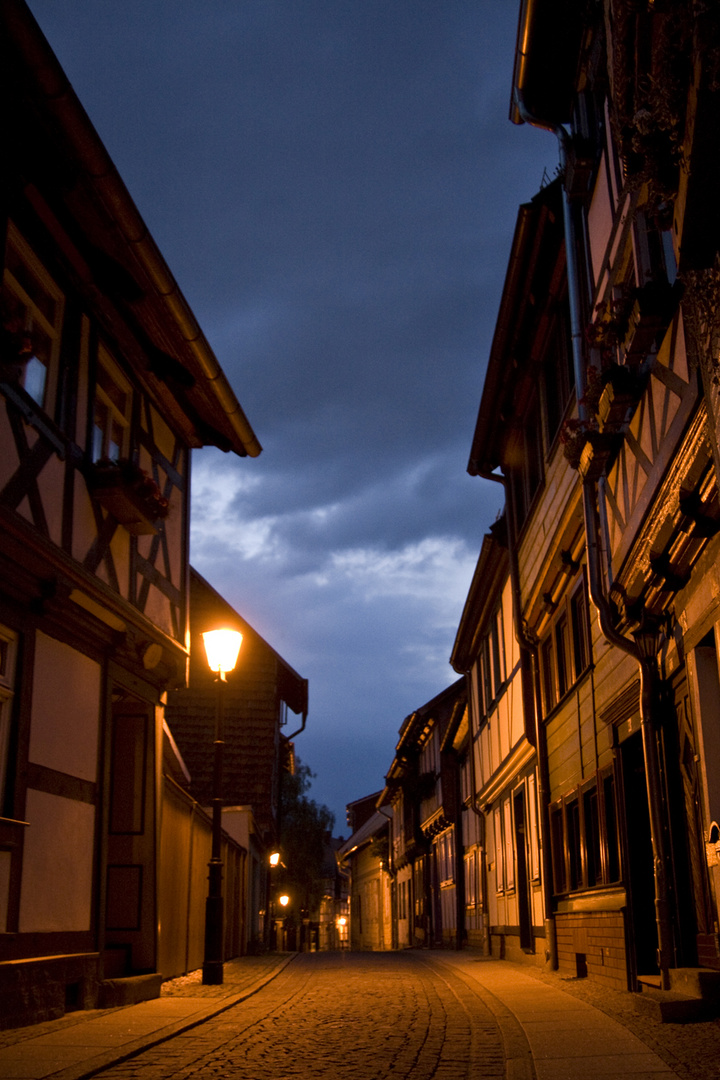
{"x": 442, "y": 710}
{"x": 511, "y": 377}
{"x": 78, "y": 194}
{"x": 367, "y": 832}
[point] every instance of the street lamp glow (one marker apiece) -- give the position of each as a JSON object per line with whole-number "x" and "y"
{"x": 342, "y": 920}
{"x": 284, "y": 900}
{"x": 275, "y": 858}
{"x": 222, "y": 648}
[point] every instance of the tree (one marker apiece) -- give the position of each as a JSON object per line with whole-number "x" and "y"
{"x": 305, "y": 828}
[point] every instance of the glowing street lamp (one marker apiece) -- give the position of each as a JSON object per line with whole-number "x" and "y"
{"x": 222, "y": 648}
{"x": 284, "y": 900}
{"x": 275, "y": 858}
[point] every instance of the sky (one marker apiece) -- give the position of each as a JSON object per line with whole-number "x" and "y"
{"x": 334, "y": 184}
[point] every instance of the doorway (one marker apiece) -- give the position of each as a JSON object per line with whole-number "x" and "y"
{"x": 130, "y": 909}
{"x": 639, "y": 877}
{"x": 523, "y": 884}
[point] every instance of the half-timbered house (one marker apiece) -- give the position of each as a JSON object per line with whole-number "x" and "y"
{"x": 606, "y": 386}
{"x": 106, "y": 385}
{"x": 426, "y": 855}
{"x": 504, "y": 901}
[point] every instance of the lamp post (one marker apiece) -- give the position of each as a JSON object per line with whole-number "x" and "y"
{"x": 222, "y": 648}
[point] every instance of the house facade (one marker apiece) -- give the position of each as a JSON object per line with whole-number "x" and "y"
{"x": 423, "y": 791}
{"x": 599, "y": 415}
{"x": 363, "y": 857}
{"x": 106, "y": 386}
{"x": 505, "y": 912}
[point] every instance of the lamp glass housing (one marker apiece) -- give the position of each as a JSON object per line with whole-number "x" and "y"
{"x": 222, "y": 648}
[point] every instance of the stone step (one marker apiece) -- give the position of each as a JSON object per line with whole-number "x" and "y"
{"x": 670, "y": 1008}
{"x": 694, "y": 994}
{"x": 128, "y": 990}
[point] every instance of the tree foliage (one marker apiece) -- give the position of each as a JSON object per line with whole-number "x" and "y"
{"x": 305, "y": 827}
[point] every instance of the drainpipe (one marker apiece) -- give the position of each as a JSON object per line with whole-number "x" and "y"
{"x": 645, "y": 655}
{"x": 529, "y": 668}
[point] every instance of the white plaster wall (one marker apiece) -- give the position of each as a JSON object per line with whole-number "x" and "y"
{"x": 65, "y": 709}
{"x": 56, "y": 891}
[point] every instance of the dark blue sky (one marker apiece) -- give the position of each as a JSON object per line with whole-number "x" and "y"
{"x": 334, "y": 184}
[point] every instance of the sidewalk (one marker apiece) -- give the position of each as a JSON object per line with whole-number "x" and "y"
{"x": 81, "y": 1043}
{"x": 563, "y": 1037}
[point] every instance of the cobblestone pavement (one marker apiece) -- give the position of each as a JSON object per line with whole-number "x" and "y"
{"x": 357, "y": 1016}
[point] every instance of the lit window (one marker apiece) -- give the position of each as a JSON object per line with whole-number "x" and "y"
{"x": 32, "y": 313}
{"x": 111, "y": 413}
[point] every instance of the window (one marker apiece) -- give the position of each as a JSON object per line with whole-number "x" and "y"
{"x": 499, "y": 852}
{"x": 527, "y": 474}
{"x": 592, "y": 836}
{"x": 580, "y": 628}
{"x": 547, "y": 664}
{"x": 492, "y": 662}
{"x": 574, "y": 844}
{"x": 609, "y": 819}
{"x": 565, "y": 653}
{"x": 8, "y": 652}
{"x": 32, "y": 313}
{"x": 509, "y": 847}
{"x": 562, "y": 652}
{"x": 558, "y": 371}
{"x": 111, "y": 411}
{"x": 558, "y": 849}
{"x": 584, "y": 837}
{"x": 533, "y": 864}
{"x": 470, "y": 862}
{"x": 445, "y": 853}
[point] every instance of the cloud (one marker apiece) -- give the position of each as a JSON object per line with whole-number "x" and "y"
{"x": 334, "y": 184}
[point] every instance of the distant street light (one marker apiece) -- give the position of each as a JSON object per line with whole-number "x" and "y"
{"x": 222, "y": 648}
{"x": 284, "y": 900}
{"x": 275, "y": 858}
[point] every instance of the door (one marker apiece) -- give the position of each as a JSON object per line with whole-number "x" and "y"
{"x": 638, "y": 859}
{"x": 523, "y": 882}
{"x": 130, "y": 908}
{"x": 690, "y": 881}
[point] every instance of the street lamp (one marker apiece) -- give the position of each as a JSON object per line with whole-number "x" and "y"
{"x": 222, "y": 648}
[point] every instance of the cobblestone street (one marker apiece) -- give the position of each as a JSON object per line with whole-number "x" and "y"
{"x": 330, "y": 1015}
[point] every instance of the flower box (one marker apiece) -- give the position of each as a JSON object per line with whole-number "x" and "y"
{"x": 129, "y": 494}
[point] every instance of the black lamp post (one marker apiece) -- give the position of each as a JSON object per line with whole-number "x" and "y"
{"x": 222, "y": 648}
